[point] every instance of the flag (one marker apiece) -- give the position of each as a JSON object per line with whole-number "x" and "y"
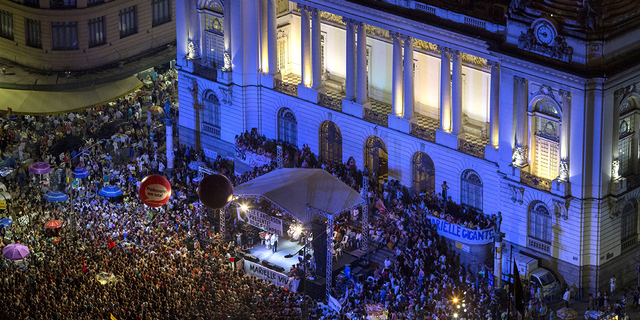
{"x": 111, "y": 243}
{"x": 112, "y": 317}
{"x": 84, "y": 269}
{"x": 380, "y": 206}
{"x": 491, "y": 279}
{"x": 518, "y": 291}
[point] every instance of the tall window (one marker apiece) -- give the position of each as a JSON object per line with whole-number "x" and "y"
{"x": 629, "y": 223}
{"x": 282, "y": 52}
{"x": 330, "y": 142}
{"x": 539, "y": 221}
{"x": 211, "y": 108}
{"x": 97, "y": 34}
{"x": 62, "y": 4}
{"x": 34, "y": 34}
{"x": 471, "y": 193}
{"x": 214, "y": 35}
{"x": 547, "y": 140}
{"x": 424, "y": 172}
{"x": 161, "y": 12}
{"x": 64, "y": 35}
{"x": 625, "y": 139}
{"x": 6, "y": 24}
{"x": 128, "y": 21}
{"x": 287, "y": 126}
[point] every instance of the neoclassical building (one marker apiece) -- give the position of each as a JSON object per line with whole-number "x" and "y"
{"x": 528, "y": 108}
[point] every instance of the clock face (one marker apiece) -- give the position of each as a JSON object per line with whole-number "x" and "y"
{"x": 545, "y": 34}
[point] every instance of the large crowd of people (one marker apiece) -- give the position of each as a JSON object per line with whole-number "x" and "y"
{"x": 136, "y": 262}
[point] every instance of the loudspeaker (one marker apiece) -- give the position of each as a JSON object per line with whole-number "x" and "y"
{"x": 319, "y": 244}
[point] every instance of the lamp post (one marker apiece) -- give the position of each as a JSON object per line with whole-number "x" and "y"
{"x": 72, "y": 215}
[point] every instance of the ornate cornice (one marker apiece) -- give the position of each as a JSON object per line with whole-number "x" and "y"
{"x": 564, "y": 93}
{"x": 343, "y": 21}
{"x": 538, "y": 69}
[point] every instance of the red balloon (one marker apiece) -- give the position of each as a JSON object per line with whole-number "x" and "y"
{"x": 215, "y": 191}
{"x": 154, "y": 190}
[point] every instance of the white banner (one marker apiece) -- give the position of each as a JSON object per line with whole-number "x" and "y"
{"x": 24, "y": 220}
{"x": 265, "y": 222}
{"x": 334, "y": 304}
{"x": 252, "y": 159}
{"x": 264, "y": 273}
{"x": 459, "y": 233}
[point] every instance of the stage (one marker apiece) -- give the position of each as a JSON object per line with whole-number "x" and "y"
{"x": 287, "y": 247}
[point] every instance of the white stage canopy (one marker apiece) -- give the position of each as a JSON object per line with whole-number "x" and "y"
{"x": 294, "y": 189}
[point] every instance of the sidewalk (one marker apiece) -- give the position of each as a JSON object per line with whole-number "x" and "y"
{"x": 583, "y": 305}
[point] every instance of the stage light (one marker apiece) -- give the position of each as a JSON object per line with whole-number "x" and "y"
{"x": 455, "y": 315}
{"x": 244, "y": 207}
{"x": 464, "y": 305}
{"x": 298, "y": 229}
{"x": 455, "y": 300}
{"x": 458, "y": 306}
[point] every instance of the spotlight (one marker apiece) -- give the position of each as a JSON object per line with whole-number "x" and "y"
{"x": 455, "y": 315}
{"x": 244, "y": 207}
{"x": 298, "y": 229}
{"x": 455, "y": 300}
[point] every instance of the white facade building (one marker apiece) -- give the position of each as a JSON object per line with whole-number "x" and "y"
{"x": 521, "y": 107}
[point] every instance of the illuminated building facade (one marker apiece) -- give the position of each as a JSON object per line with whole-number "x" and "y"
{"x": 524, "y": 107}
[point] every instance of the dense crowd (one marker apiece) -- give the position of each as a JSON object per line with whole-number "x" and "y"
{"x": 136, "y": 262}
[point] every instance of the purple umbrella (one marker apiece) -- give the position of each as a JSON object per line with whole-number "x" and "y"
{"x": 15, "y": 251}
{"x": 40, "y": 168}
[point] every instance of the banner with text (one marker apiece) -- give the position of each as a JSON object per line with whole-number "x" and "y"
{"x": 265, "y": 222}
{"x": 264, "y": 273}
{"x": 252, "y": 159}
{"x": 459, "y": 233}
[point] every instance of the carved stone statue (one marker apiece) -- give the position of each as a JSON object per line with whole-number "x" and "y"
{"x": 526, "y": 41}
{"x": 193, "y": 47}
{"x": 499, "y": 222}
{"x": 517, "y": 5}
{"x": 227, "y": 61}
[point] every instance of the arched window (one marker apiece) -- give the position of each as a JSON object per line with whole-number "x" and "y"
{"x": 211, "y": 108}
{"x": 212, "y": 17}
{"x": 287, "y": 126}
{"x": 423, "y": 172}
{"x": 629, "y": 223}
{"x": 330, "y": 142}
{"x": 547, "y": 139}
{"x": 471, "y": 193}
{"x": 376, "y": 158}
{"x": 627, "y": 140}
{"x": 539, "y": 221}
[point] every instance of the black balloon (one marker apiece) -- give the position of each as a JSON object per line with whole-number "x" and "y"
{"x": 215, "y": 191}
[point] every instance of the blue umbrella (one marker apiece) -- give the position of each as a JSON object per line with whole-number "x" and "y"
{"x": 5, "y": 222}
{"x": 110, "y": 191}
{"x": 81, "y": 173}
{"x": 56, "y": 196}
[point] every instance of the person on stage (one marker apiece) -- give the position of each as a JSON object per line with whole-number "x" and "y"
{"x": 274, "y": 242}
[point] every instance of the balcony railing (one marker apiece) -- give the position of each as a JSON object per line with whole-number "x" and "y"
{"x": 205, "y": 71}
{"x": 211, "y": 129}
{"x": 471, "y": 148}
{"x": 330, "y": 102}
{"x": 538, "y": 245}
{"x": 378, "y": 118}
{"x": 423, "y": 133}
{"x": 286, "y": 88}
{"x": 535, "y": 181}
{"x": 629, "y": 242}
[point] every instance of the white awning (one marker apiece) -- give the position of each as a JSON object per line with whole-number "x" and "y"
{"x": 293, "y": 189}
{"x": 31, "y": 102}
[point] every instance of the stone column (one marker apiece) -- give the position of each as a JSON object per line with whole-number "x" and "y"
{"x": 456, "y": 96}
{"x": 494, "y": 105}
{"x": 363, "y": 94}
{"x": 272, "y": 42}
{"x": 316, "y": 48}
{"x": 565, "y": 135}
{"x": 193, "y": 29}
{"x": 497, "y": 262}
{"x": 351, "y": 59}
{"x": 408, "y": 78}
{"x": 168, "y": 123}
{"x": 445, "y": 89}
{"x": 521, "y": 152}
{"x": 396, "y": 74}
{"x": 305, "y": 42}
